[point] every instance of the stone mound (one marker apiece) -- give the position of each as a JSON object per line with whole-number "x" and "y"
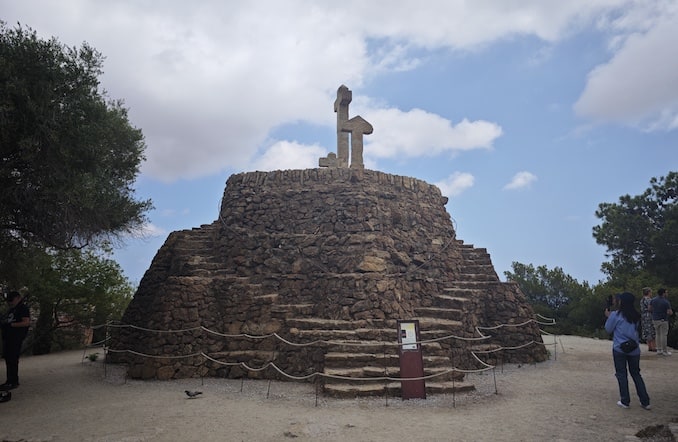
{"x": 311, "y": 270}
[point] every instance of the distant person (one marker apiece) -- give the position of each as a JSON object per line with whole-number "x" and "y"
{"x": 647, "y": 332}
{"x": 661, "y": 310}
{"x": 14, "y": 330}
{"x": 623, "y": 324}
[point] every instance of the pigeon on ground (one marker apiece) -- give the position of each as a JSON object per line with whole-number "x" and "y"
{"x": 192, "y": 394}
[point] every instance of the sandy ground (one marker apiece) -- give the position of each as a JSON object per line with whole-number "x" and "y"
{"x": 569, "y": 398}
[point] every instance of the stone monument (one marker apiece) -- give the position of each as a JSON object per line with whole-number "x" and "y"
{"x": 310, "y": 270}
{"x": 356, "y": 127}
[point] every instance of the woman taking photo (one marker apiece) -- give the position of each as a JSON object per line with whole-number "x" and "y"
{"x": 623, "y": 324}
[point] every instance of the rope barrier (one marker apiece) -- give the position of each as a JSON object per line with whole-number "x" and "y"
{"x": 301, "y": 344}
{"x": 474, "y": 353}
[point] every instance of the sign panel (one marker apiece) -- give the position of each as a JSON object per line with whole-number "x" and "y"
{"x": 408, "y": 336}
{"x": 411, "y": 361}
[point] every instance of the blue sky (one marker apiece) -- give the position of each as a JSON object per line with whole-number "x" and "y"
{"x": 527, "y": 114}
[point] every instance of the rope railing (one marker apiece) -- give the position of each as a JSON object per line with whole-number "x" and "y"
{"x": 297, "y": 344}
{"x": 474, "y": 353}
{"x": 310, "y": 375}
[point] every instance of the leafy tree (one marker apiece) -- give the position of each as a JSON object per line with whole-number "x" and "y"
{"x": 641, "y": 232}
{"x": 72, "y": 290}
{"x": 554, "y": 294}
{"x": 68, "y": 155}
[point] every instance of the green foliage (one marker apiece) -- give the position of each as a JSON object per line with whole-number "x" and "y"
{"x": 68, "y": 155}
{"x": 68, "y": 161}
{"x": 71, "y": 290}
{"x": 641, "y": 232}
{"x": 578, "y": 308}
{"x": 554, "y": 294}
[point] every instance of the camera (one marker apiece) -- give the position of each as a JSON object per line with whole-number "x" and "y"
{"x": 609, "y": 302}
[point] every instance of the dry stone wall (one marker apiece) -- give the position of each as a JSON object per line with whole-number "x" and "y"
{"x": 333, "y": 254}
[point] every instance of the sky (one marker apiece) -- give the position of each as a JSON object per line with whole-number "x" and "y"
{"x": 527, "y": 114}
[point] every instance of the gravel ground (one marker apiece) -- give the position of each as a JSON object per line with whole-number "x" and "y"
{"x": 571, "y": 397}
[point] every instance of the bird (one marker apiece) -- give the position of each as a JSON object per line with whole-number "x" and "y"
{"x": 192, "y": 394}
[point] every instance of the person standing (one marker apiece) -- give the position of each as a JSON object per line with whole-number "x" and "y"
{"x": 14, "y": 331}
{"x": 623, "y": 325}
{"x": 661, "y": 310}
{"x": 647, "y": 331}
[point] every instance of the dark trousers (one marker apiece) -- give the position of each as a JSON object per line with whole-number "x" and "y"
{"x": 621, "y": 362}
{"x": 11, "y": 349}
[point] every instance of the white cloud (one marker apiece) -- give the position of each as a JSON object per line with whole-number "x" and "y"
{"x": 207, "y": 82}
{"x": 521, "y": 180}
{"x": 289, "y": 155}
{"x": 456, "y": 183}
{"x": 419, "y": 133}
{"x": 639, "y": 85}
{"x": 148, "y": 230}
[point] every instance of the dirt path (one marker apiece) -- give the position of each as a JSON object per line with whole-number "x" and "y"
{"x": 569, "y": 398}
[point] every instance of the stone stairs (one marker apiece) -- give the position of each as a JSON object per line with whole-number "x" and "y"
{"x": 358, "y": 354}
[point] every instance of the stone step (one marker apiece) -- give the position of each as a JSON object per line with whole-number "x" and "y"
{"x": 438, "y": 312}
{"x": 451, "y": 301}
{"x": 361, "y": 389}
{"x": 472, "y": 268}
{"x": 283, "y": 310}
{"x": 345, "y": 360}
{"x": 364, "y": 337}
{"x": 476, "y": 259}
{"x": 261, "y": 356}
{"x": 460, "y": 292}
{"x": 351, "y": 346}
{"x": 478, "y": 277}
{"x": 441, "y": 373}
{"x": 430, "y": 323}
{"x": 479, "y": 287}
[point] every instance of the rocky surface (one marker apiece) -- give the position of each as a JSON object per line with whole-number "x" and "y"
{"x": 326, "y": 260}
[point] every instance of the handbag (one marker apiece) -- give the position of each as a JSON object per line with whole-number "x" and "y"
{"x": 628, "y": 346}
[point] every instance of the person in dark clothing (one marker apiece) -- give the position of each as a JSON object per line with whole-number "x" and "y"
{"x": 623, "y": 324}
{"x": 14, "y": 330}
{"x": 661, "y": 311}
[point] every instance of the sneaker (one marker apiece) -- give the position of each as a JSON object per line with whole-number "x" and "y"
{"x": 660, "y": 353}
{"x": 619, "y": 403}
{"x": 646, "y": 407}
{"x": 667, "y": 353}
{"x": 8, "y": 386}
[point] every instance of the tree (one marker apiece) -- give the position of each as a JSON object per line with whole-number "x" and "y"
{"x": 68, "y": 155}
{"x": 557, "y": 295}
{"x": 72, "y": 290}
{"x": 641, "y": 232}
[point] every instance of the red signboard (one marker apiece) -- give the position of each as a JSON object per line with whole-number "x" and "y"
{"x": 411, "y": 360}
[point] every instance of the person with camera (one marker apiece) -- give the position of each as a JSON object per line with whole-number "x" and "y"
{"x": 14, "y": 330}
{"x": 623, "y": 324}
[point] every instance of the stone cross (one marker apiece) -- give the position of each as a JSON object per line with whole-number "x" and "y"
{"x": 344, "y": 97}
{"x": 357, "y": 126}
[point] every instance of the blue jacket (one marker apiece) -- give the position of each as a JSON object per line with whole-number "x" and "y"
{"x": 621, "y": 330}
